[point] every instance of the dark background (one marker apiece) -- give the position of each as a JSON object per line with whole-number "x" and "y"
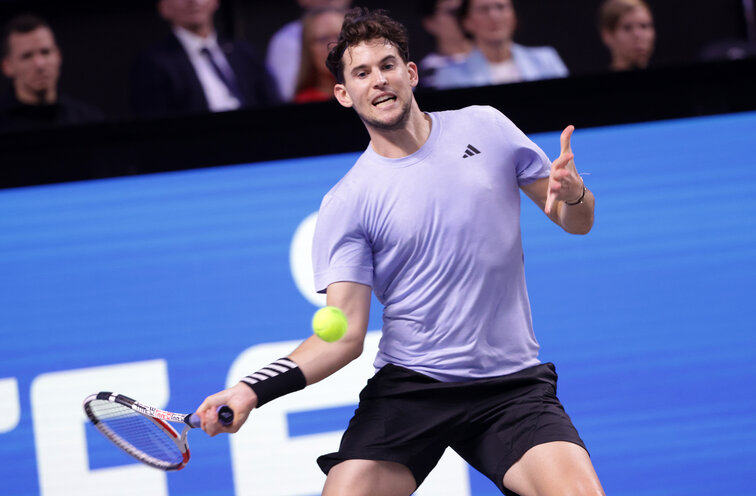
{"x": 99, "y": 38}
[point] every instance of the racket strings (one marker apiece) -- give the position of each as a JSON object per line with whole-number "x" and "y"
{"x": 138, "y": 434}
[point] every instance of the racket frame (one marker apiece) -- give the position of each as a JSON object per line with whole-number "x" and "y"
{"x": 159, "y": 417}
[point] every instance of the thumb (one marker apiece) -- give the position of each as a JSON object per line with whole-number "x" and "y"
{"x": 565, "y": 139}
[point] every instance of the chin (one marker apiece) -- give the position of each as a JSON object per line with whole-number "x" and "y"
{"x": 390, "y": 123}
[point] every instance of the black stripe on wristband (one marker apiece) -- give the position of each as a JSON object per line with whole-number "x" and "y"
{"x": 275, "y": 380}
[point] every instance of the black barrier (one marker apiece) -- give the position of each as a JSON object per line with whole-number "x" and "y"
{"x": 146, "y": 146}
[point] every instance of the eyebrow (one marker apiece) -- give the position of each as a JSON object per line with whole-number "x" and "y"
{"x": 360, "y": 67}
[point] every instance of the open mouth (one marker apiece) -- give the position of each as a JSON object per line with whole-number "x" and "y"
{"x": 383, "y": 99}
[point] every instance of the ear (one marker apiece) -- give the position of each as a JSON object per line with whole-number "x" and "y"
{"x": 164, "y": 10}
{"x": 429, "y": 25}
{"x": 8, "y": 68}
{"x": 607, "y": 37}
{"x": 412, "y": 69}
{"x": 341, "y": 94}
{"x": 465, "y": 23}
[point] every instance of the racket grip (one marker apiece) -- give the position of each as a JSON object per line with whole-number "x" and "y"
{"x": 225, "y": 417}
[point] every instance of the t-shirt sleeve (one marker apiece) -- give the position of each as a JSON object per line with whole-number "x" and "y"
{"x": 530, "y": 161}
{"x": 340, "y": 249}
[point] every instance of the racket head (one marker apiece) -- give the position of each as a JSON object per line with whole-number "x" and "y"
{"x": 150, "y": 440}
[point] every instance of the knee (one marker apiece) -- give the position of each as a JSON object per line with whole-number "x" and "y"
{"x": 582, "y": 486}
{"x": 369, "y": 478}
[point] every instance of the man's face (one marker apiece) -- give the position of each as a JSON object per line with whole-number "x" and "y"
{"x": 189, "y": 14}
{"x": 33, "y": 61}
{"x": 633, "y": 39}
{"x": 443, "y": 22}
{"x": 490, "y": 21}
{"x": 378, "y": 84}
{"x": 324, "y": 31}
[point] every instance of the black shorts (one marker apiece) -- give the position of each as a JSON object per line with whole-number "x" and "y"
{"x": 410, "y": 418}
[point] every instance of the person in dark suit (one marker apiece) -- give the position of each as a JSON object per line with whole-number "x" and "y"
{"x": 193, "y": 70}
{"x": 32, "y": 61}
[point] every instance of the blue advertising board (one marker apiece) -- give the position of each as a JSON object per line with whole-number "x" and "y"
{"x": 169, "y": 287}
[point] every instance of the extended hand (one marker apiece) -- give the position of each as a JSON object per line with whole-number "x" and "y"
{"x": 564, "y": 182}
{"x": 240, "y": 398}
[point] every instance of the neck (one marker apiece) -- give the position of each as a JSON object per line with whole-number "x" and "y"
{"x": 29, "y": 97}
{"x": 408, "y": 139}
{"x": 619, "y": 64}
{"x": 499, "y": 51}
{"x": 454, "y": 46}
{"x": 201, "y": 30}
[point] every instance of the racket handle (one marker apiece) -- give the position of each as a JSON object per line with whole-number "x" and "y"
{"x": 225, "y": 417}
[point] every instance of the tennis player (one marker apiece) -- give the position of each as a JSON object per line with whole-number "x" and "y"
{"x": 428, "y": 219}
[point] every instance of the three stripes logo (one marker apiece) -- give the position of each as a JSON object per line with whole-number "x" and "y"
{"x": 471, "y": 150}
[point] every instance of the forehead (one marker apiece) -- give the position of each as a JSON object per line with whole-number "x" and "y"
{"x": 41, "y": 37}
{"x": 489, "y": 3}
{"x": 367, "y": 52}
{"x": 639, "y": 12}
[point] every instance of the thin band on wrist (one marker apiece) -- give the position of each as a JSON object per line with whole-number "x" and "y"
{"x": 579, "y": 200}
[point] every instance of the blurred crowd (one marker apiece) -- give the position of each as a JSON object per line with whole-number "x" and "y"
{"x": 195, "y": 69}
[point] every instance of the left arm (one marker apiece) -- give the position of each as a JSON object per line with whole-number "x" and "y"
{"x": 564, "y": 185}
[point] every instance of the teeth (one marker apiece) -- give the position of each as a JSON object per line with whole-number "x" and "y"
{"x": 383, "y": 100}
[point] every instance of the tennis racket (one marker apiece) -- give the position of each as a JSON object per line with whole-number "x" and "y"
{"x": 143, "y": 431}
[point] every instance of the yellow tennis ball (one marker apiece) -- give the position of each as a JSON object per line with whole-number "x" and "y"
{"x": 329, "y": 323}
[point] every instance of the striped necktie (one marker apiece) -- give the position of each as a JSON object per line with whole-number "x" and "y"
{"x": 226, "y": 76}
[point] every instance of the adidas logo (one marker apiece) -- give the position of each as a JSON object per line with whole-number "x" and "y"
{"x": 471, "y": 150}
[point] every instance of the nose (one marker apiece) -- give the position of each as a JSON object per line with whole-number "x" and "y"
{"x": 380, "y": 79}
{"x": 40, "y": 60}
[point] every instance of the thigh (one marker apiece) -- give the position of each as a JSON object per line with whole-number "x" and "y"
{"x": 369, "y": 478}
{"x": 513, "y": 422}
{"x": 397, "y": 420}
{"x": 555, "y": 468}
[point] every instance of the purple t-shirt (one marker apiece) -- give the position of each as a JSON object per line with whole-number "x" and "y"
{"x": 436, "y": 235}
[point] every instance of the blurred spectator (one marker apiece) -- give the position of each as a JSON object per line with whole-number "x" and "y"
{"x": 195, "y": 70}
{"x": 733, "y": 48}
{"x": 496, "y": 59}
{"x": 285, "y": 48}
{"x": 627, "y": 30}
{"x": 320, "y": 28}
{"x": 439, "y": 18}
{"x": 32, "y": 60}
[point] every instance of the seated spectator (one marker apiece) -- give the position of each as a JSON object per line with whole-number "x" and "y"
{"x": 32, "y": 60}
{"x": 496, "y": 58}
{"x": 439, "y": 18}
{"x": 319, "y": 29}
{"x": 195, "y": 70}
{"x": 285, "y": 48}
{"x": 627, "y": 30}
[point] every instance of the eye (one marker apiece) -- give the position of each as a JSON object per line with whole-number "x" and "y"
{"x": 388, "y": 67}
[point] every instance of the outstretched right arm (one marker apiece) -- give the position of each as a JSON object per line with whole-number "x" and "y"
{"x": 316, "y": 358}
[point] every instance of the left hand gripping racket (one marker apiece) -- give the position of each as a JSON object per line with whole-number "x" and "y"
{"x": 143, "y": 431}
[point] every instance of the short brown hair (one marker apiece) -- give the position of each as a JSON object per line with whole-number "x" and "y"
{"x": 611, "y": 11}
{"x": 21, "y": 24}
{"x": 360, "y": 25}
